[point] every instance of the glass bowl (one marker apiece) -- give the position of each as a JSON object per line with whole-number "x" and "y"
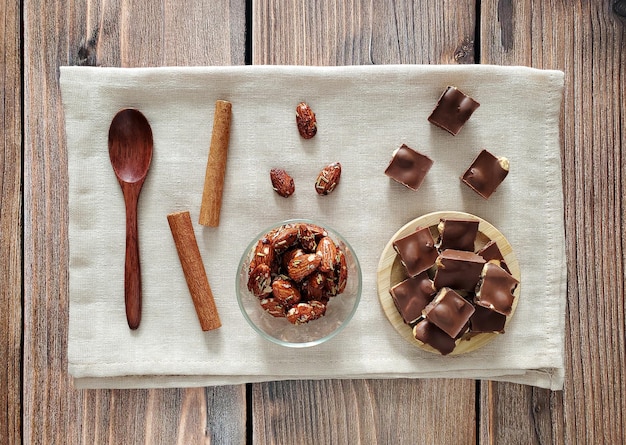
{"x": 340, "y": 308}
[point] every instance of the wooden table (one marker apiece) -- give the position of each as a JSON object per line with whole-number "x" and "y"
{"x": 586, "y": 39}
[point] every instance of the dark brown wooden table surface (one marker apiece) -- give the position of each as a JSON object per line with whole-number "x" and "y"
{"x": 585, "y": 39}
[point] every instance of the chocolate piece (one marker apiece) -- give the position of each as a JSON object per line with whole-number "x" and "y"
{"x": 486, "y": 173}
{"x": 427, "y": 333}
{"x": 408, "y": 167}
{"x": 491, "y": 252}
{"x": 486, "y": 320}
{"x": 496, "y": 289}
{"x": 449, "y": 311}
{"x": 458, "y": 234}
{"x": 458, "y": 269}
{"x": 417, "y": 251}
{"x": 453, "y": 109}
{"x": 412, "y": 295}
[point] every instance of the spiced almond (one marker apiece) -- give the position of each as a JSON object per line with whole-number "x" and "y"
{"x": 306, "y": 121}
{"x": 328, "y": 178}
{"x": 282, "y": 182}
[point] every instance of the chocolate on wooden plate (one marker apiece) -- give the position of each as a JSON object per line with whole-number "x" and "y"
{"x": 471, "y": 326}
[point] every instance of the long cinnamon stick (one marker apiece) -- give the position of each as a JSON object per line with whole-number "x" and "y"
{"x": 193, "y": 268}
{"x": 216, "y": 166}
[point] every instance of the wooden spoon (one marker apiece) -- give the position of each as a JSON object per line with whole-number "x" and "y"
{"x": 130, "y": 150}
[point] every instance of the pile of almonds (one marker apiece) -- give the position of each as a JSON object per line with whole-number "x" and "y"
{"x": 295, "y": 270}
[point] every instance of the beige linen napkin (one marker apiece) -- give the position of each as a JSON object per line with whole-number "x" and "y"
{"x": 364, "y": 113}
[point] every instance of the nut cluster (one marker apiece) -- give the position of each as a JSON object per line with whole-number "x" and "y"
{"x": 295, "y": 270}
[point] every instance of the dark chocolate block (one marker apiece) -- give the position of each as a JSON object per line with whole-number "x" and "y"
{"x": 491, "y": 252}
{"x": 408, "y": 167}
{"x": 412, "y": 295}
{"x": 449, "y": 311}
{"x": 417, "y": 251}
{"x": 427, "y": 333}
{"x": 458, "y": 234}
{"x": 486, "y": 173}
{"x": 495, "y": 290}
{"x": 458, "y": 269}
{"x": 453, "y": 109}
{"x": 486, "y": 320}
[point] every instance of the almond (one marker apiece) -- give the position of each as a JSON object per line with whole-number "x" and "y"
{"x": 282, "y": 183}
{"x": 260, "y": 281}
{"x": 285, "y": 292}
{"x": 284, "y": 238}
{"x": 289, "y": 255}
{"x": 305, "y": 119}
{"x": 274, "y": 307}
{"x": 327, "y": 251}
{"x": 307, "y": 238}
{"x": 328, "y": 178}
{"x": 313, "y": 286}
{"x": 305, "y": 312}
{"x": 342, "y": 276}
{"x": 302, "y": 266}
{"x": 263, "y": 254}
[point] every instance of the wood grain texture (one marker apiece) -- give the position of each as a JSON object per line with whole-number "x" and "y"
{"x": 10, "y": 225}
{"x": 364, "y": 411}
{"x": 130, "y": 33}
{"x": 361, "y": 32}
{"x": 586, "y": 40}
{"x": 349, "y": 33}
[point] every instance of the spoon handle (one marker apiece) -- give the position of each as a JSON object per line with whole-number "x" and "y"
{"x": 132, "y": 269}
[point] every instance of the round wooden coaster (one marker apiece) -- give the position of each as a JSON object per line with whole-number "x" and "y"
{"x": 391, "y": 272}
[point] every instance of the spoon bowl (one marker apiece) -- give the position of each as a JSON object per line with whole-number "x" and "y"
{"x": 130, "y": 152}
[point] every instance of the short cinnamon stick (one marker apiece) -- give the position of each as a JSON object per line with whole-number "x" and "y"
{"x": 193, "y": 268}
{"x": 216, "y": 166}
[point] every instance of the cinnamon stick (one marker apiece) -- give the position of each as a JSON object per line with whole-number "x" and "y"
{"x": 216, "y": 166}
{"x": 193, "y": 268}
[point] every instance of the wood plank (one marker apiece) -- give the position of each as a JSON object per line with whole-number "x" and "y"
{"x": 10, "y": 225}
{"x": 396, "y": 411}
{"x": 334, "y": 32}
{"x": 132, "y": 33}
{"x": 586, "y": 40}
{"x": 360, "y": 32}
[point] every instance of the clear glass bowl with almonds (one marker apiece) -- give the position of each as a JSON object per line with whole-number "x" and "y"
{"x": 298, "y": 283}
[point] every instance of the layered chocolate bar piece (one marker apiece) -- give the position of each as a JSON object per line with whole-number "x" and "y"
{"x": 486, "y": 173}
{"x": 458, "y": 234}
{"x": 453, "y": 109}
{"x": 412, "y": 295}
{"x": 427, "y": 333}
{"x": 417, "y": 251}
{"x": 496, "y": 289}
{"x": 449, "y": 311}
{"x": 458, "y": 269}
{"x": 484, "y": 320}
{"x": 491, "y": 252}
{"x": 408, "y": 167}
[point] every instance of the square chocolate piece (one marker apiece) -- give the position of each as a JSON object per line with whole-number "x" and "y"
{"x": 417, "y": 251}
{"x": 453, "y": 109}
{"x": 427, "y": 333}
{"x": 458, "y": 234}
{"x": 496, "y": 289}
{"x": 412, "y": 295}
{"x": 486, "y": 321}
{"x": 449, "y": 311}
{"x": 491, "y": 252}
{"x": 486, "y": 173}
{"x": 458, "y": 269}
{"x": 408, "y": 167}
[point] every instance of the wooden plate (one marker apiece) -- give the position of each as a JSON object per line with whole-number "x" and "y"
{"x": 391, "y": 272}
